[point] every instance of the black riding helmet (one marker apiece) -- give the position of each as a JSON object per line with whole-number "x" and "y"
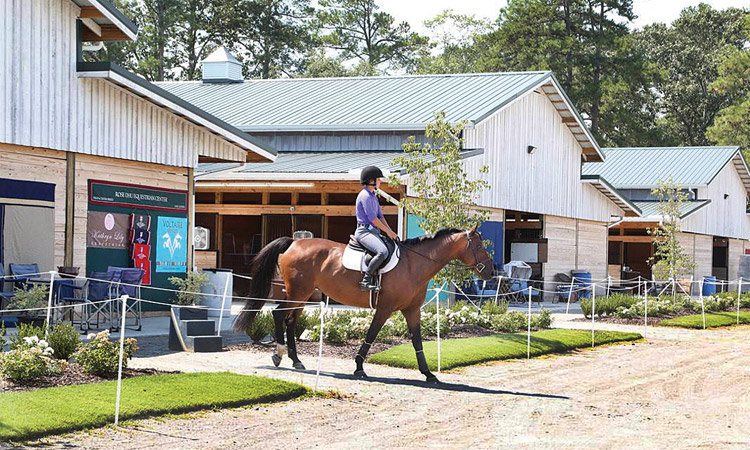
{"x": 370, "y": 173}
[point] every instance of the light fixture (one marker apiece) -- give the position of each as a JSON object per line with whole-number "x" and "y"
{"x": 726, "y": 196}
{"x": 530, "y": 149}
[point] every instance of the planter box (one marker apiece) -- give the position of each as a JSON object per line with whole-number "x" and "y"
{"x": 190, "y": 313}
{"x": 36, "y": 321}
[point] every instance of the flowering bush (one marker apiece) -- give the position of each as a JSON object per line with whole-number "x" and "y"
{"x": 30, "y": 360}
{"x": 62, "y": 338}
{"x": 100, "y": 356}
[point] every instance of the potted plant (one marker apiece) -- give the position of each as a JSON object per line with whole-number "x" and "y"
{"x": 189, "y": 294}
{"x": 35, "y": 297}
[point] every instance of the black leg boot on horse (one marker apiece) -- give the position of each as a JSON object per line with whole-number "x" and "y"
{"x": 381, "y": 315}
{"x": 291, "y": 325}
{"x": 412, "y": 321}
{"x": 278, "y": 321}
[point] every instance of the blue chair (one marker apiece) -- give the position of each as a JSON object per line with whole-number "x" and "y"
{"x": 68, "y": 291}
{"x": 21, "y": 274}
{"x": 4, "y": 296}
{"x": 130, "y": 279}
{"x": 485, "y": 290}
{"x": 98, "y": 288}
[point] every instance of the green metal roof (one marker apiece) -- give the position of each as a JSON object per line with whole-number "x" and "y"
{"x": 649, "y": 209}
{"x": 645, "y": 167}
{"x": 356, "y": 103}
{"x": 347, "y": 164}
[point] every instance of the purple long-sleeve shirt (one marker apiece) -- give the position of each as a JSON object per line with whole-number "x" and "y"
{"x": 368, "y": 207}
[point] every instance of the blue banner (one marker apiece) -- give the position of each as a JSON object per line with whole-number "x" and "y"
{"x": 171, "y": 244}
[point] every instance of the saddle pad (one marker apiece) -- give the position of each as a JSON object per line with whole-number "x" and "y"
{"x": 355, "y": 260}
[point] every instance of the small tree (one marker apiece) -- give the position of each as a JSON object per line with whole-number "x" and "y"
{"x": 441, "y": 192}
{"x": 670, "y": 260}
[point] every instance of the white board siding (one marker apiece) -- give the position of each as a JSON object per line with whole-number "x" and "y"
{"x": 545, "y": 182}
{"x": 722, "y": 217}
{"x": 44, "y": 104}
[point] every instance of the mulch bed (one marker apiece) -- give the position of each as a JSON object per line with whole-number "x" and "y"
{"x": 73, "y": 374}
{"x": 350, "y": 349}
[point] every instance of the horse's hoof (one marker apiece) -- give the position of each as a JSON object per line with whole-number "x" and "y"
{"x": 431, "y": 379}
{"x": 360, "y": 374}
{"x": 276, "y": 360}
{"x": 298, "y": 365}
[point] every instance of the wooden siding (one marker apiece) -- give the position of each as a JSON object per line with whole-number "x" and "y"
{"x": 545, "y": 182}
{"x": 48, "y": 166}
{"x": 574, "y": 245}
{"x": 97, "y": 168}
{"x": 44, "y": 104}
{"x": 332, "y": 142}
{"x": 722, "y": 217}
{"x": 700, "y": 248}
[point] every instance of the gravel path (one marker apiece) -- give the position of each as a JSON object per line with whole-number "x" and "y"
{"x": 668, "y": 393}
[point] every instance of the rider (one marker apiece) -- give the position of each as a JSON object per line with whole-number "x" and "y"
{"x": 370, "y": 223}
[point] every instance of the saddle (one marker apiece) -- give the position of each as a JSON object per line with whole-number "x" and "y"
{"x": 356, "y": 257}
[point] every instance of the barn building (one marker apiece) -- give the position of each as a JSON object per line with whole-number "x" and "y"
{"x": 521, "y": 124}
{"x": 83, "y": 145}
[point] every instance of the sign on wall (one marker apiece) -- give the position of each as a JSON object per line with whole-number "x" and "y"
{"x": 129, "y": 195}
{"x": 106, "y": 230}
{"x": 171, "y": 244}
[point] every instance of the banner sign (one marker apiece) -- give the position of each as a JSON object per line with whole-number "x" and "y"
{"x": 106, "y": 230}
{"x": 130, "y": 195}
{"x": 171, "y": 244}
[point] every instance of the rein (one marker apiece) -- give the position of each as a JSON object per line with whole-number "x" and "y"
{"x": 478, "y": 265}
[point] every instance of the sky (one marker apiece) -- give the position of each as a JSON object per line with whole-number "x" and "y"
{"x": 648, "y": 11}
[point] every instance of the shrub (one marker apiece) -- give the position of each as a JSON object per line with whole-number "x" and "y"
{"x": 24, "y": 331}
{"x": 100, "y": 356}
{"x": 304, "y": 322}
{"x": 35, "y": 297}
{"x": 64, "y": 340}
{"x": 30, "y": 360}
{"x": 541, "y": 320}
{"x": 509, "y": 322}
{"x": 189, "y": 288}
{"x": 428, "y": 323}
{"x": 262, "y": 326}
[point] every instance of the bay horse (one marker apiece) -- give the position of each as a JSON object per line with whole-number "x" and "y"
{"x": 306, "y": 264}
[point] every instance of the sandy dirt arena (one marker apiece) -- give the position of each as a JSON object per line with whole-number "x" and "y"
{"x": 685, "y": 390}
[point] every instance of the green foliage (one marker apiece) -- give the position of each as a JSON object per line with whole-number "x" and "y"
{"x": 453, "y": 38}
{"x": 26, "y": 415}
{"x": 670, "y": 261}
{"x": 261, "y": 327}
{"x": 443, "y": 195}
{"x": 101, "y": 357}
{"x": 64, "y": 340}
{"x": 360, "y": 31}
{"x": 36, "y": 297}
{"x": 189, "y": 288}
{"x": 606, "y": 306}
{"x": 471, "y": 351}
{"x": 688, "y": 54}
{"x": 30, "y": 359}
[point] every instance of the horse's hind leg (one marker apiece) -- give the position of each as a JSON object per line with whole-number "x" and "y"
{"x": 278, "y": 321}
{"x": 291, "y": 325}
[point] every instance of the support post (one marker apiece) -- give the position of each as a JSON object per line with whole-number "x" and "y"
{"x": 224, "y": 300}
{"x": 49, "y": 301}
{"x": 593, "y": 311}
{"x": 528, "y": 331}
{"x": 437, "y": 305}
{"x": 124, "y": 299}
{"x": 739, "y": 294}
{"x": 645, "y": 316}
{"x": 703, "y": 306}
{"x": 320, "y": 345}
{"x": 570, "y": 294}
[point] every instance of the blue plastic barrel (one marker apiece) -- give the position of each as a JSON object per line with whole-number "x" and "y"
{"x": 709, "y": 285}
{"x": 582, "y": 280}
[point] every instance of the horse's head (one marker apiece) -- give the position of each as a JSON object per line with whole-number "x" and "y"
{"x": 475, "y": 255}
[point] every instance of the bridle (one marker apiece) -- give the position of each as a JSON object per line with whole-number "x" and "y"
{"x": 478, "y": 266}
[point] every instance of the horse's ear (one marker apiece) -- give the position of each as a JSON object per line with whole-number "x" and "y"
{"x": 473, "y": 228}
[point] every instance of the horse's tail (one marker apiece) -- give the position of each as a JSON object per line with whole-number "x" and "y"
{"x": 262, "y": 272}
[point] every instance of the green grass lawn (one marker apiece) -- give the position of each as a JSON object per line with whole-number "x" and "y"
{"x": 30, "y": 414}
{"x": 713, "y": 320}
{"x": 470, "y": 351}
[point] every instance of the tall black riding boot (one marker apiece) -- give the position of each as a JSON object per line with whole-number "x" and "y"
{"x": 367, "y": 283}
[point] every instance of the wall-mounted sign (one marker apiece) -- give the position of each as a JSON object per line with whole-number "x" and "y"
{"x": 130, "y": 195}
{"x": 171, "y": 244}
{"x": 106, "y": 230}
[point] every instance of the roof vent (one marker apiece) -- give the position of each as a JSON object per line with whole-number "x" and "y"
{"x": 221, "y": 67}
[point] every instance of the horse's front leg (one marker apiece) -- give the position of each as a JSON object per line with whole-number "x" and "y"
{"x": 412, "y": 317}
{"x": 381, "y": 315}
{"x": 278, "y": 322}
{"x": 291, "y": 325}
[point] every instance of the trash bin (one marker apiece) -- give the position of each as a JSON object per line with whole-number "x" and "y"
{"x": 709, "y": 285}
{"x": 582, "y": 280}
{"x": 217, "y": 278}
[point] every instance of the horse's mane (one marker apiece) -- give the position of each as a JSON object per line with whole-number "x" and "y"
{"x": 429, "y": 237}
